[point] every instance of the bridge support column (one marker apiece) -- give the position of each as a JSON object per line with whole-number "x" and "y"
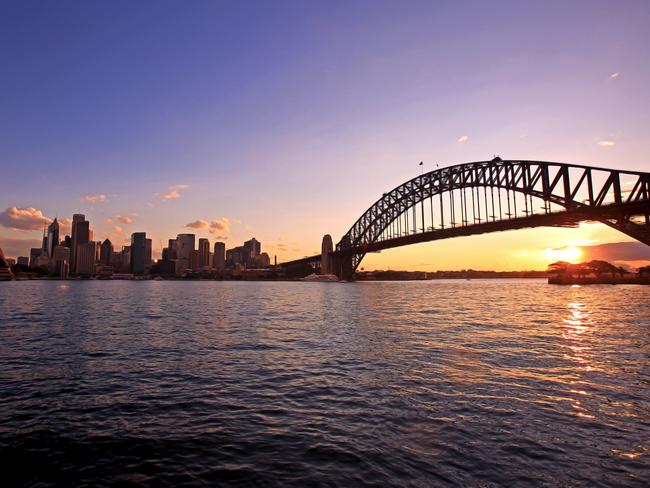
{"x": 342, "y": 264}
{"x": 326, "y": 264}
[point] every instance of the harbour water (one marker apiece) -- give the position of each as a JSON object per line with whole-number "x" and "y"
{"x": 473, "y": 383}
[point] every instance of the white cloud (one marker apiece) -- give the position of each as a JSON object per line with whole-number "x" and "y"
{"x": 463, "y": 139}
{"x": 606, "y": 143}
{"x": 101, "y": 197}
{"x": 173, "y": 192}
{"x": 25, "y": 218}
{"x": 613, "y": 76}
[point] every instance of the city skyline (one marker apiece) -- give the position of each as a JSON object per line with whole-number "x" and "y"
{"x": 292, "y": 133}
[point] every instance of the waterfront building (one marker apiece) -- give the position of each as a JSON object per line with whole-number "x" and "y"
{"x": 80, "y": 235}
{"x": 148, "y": 250}
{"x": 138, "y": 252}
{"x": 34, "y": 253}
{"x": 263, "y": 260}
{"x": 106, "y": 252}
{"x": 171, "y": 249}
{"x": 52, "y": 237}
{"x": 252, "y": 249}
{"x": 121, "y": 261}
{"x": 195, "y": 260}
{"x": 86, "y": 254}
{"x": 184, "y": 248}
{"x": 235, "y": 256}
{"x": 61, "y": 261}
{"x": 219, "y": 257}
{"x": 5, "y": 270}
{"x": 204, "y": 253}
{"x": 43, "y": 262}
{"x": 23, "y": 261}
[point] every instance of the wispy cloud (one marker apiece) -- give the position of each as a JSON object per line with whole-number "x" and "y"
{"x": 125, "y": 219}
{"x": 117, "y": 229}
{"x": 606, "y": 143}
{"x": 613, "y": 76}
{"x": 463, "y": 139}
{"x": 101, "y": 197}
{"x": 23, "y": 218}
{"x": 198, "y": 224}
{"x": 173, "y": 192}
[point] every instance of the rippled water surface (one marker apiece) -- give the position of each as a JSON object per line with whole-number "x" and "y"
{"x": 474, "y": 383}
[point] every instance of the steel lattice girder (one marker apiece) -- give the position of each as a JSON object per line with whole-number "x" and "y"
{"x": 549, "y": 181}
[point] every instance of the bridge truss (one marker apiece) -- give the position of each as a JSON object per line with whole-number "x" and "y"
{"x": 489, "y": 196}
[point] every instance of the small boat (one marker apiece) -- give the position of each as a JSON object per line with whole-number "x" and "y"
{"x": 317, "y": 277}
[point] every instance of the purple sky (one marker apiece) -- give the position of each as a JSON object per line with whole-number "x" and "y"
{"x": 288, "y": 119}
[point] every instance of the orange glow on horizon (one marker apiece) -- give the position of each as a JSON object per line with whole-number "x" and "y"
{"x": 570, "y": 254}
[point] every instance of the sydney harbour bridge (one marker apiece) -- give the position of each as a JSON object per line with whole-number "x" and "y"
{"x": 490, "y": 196}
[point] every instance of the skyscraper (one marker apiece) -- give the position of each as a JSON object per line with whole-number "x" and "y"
{"x": 184, "y": 248}
{"x": 80, "y": 235}
{"x": 52, "y": 237}
{"x": 219, "y": 258}
{"x": 86, "y": 253}
{"x": 138, "y": 252}
{"x": 106, "y": 252}
{"x": 148, "y": 251}
{"x": 252, "y": 249}
{"x": 204, "y": 253}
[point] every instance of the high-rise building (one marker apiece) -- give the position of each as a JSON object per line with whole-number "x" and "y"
{"x": 219, "y": 258}
{"x": 86, "y": 253}
{"x": 184, "y": 248}
{"x": 52, "y": 237}
{"x": 204, "y": 253}
{"x": 252, "y": 248}
{"x": 61, "y": 261}
{"x": 34, "y": 253}
{"x": 80, "y": 235}
{"x": 148, "y": 251}
{"x": 195, "y": 259}
{"x": 171, "y": 249}
{"x": 106, "y": 252}
{"x": 138, "y": 252}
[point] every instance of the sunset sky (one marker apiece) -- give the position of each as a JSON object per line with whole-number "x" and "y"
{"x": 286, "y": 120}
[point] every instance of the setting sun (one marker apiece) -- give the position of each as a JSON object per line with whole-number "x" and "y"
{"x": 570, "y": 254}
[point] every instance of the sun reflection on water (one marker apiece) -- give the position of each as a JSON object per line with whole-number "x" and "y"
{"x": 575, "y": 330}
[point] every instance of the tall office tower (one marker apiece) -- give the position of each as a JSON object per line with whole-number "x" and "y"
{"x": 194, "y": 259}
{"x": 61, "y": 261}
{"x": 148, "y": 250}
{"x": 219, "y": 258}
{"x": 204, "y": 253}
{"x": 80, "y": 235}
{"x": 106, "y": 253}
{"x": 34, "y": 253}
{"x": 252, "y": 249}
{"x": 184, "y": 248}
{"x": 171, "y": 249}
{"x": 52, "y": 237}
{"x": 138, "y": 252}
{"x": 86, "y": 253}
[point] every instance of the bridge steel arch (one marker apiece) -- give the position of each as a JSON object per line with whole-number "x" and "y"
{"x": 569, "y": 194}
